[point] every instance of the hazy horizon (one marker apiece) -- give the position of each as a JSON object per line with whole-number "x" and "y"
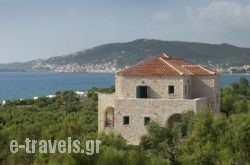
{"x": 33, "y": 30}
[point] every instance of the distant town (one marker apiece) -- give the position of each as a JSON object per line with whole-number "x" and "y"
{"x": 74, "y": 67}
{"x": 112, "y": 67}
{"x": 225, "y": 58}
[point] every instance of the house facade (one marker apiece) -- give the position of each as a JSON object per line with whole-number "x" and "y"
{"x": 157, "y": 89}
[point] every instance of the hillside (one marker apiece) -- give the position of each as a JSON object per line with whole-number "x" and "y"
{"x": 201, "y": 138}
{"x": 132, "y": 52}
{"x": 17, "y": 66}
{"x": 119, "y": 55}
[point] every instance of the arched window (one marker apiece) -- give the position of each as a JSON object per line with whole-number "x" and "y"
{"x": 173, "y": 118}
{"x": 109, "y": 117}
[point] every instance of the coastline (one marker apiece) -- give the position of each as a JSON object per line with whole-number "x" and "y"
{"x": 97, "y": 71}
{"x": 236, "y": 74}
{"x": 26, "y": 85}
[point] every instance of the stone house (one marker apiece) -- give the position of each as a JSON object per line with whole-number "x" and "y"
{"x": 158, "y": 89}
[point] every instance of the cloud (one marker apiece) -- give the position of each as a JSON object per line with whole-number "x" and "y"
{"x": 222, "y": 15}
{"x": 216, "y": 22}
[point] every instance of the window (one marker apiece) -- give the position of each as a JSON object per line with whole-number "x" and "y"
{"x": 146, "y": 120}
{"x": 109, "y": 117}
{"x": 185, "y": 90}
{"x": 171, "y": 89}
{"x": 125, "y": 120}
{"x": 141, "y": 92}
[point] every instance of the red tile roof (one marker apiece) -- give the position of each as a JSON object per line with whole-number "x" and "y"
{"x": 164, "y": 65}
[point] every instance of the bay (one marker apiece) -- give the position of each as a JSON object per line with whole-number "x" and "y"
{"x": 16, "y": 85}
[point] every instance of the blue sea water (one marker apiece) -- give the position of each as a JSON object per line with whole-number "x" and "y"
{"x": 15, "y": 85}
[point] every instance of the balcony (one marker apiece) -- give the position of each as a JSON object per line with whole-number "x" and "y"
{"x": 178, "y": 105}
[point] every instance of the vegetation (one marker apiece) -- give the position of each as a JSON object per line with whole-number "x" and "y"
{"x": 132, "y": 52}
{"x": 202, "y": 138}
{"x": 236, "y": 98}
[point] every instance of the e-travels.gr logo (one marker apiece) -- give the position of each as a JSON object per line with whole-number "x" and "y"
{"x": 61, "y": 146}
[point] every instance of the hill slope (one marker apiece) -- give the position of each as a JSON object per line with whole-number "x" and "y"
{"x": 119, "y": 55}
{"x": 132, "y": 52}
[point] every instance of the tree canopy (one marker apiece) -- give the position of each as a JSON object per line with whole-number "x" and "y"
{"x": 201, "y": 138}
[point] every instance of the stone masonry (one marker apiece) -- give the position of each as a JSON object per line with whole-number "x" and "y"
{"x": 124, "y": 113}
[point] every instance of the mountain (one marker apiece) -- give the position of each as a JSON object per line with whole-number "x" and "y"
{"x": 17, "y": 66}
{"x": 119, "y": 55}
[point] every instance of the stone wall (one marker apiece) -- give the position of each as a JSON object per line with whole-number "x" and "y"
{"x": 105, "y": 101}
{"x": 201, "y": 103}
{"x": 191, "y": 92}
{"x": 158, "y": 86}
{"x": 207, "y": 86}
{"x": 217, "y": 90}
{"x": 158, "y": 110}
{"x": 186, "y": 87}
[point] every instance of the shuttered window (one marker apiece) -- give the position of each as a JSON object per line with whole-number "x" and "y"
{"x": 141, "y": 92}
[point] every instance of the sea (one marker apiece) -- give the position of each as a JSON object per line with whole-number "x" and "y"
{"x": 21, "y": 85}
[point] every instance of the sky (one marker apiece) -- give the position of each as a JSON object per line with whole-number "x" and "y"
{"x": 39, "y": 29}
